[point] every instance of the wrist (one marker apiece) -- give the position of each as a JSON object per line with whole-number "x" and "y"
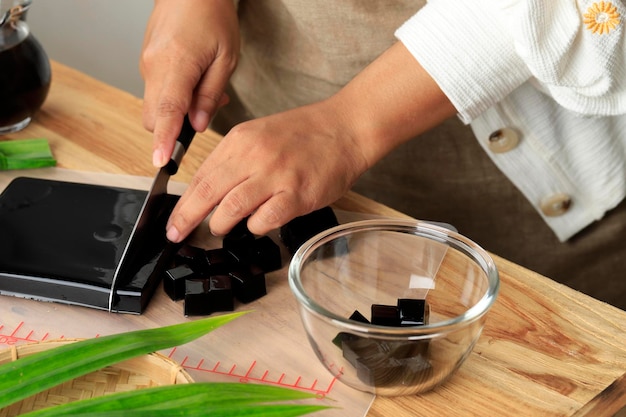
{"x": 390, "y": 102}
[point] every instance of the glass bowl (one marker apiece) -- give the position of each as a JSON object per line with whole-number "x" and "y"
{"x": 392, "y": 307}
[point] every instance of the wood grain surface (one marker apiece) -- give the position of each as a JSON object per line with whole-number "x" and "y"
{"x": 546, "y": 350}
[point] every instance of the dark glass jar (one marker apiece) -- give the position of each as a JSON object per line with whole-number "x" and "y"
{"x": 24, "y": 70}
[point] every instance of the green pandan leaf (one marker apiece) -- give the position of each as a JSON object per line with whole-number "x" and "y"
{"x": 38, "y": 372}
{"x": 25, "y": 154}
{"x": 197, "y": 399}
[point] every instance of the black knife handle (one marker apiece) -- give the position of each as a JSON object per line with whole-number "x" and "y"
{"x": 186, "y": 133}
{"x": 185, "y": 137}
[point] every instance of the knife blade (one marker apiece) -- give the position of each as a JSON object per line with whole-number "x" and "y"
{"x": 151, "y": 204}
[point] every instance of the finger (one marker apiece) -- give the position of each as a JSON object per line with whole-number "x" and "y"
{"x": 147, "y": 111}
{"x": 185, "y": 218}
{"x": 209, "y": 94}
{"x": 200, "y": 198}
{"x": 237, "y": 204}
{"x": 153, "y": 84}
{"x": 200, "y": 120}
{"x": 172, "y": 104}
{"x": 276, "y": 212}
{"x": 268, "y": 208}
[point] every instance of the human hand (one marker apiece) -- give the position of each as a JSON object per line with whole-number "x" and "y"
{"x": 274, "y": 169}
{"x": 286, "y": 165}
{"x": 189, "y": 52}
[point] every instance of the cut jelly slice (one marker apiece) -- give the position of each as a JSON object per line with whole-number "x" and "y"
{"x": 356, "y": 316}
{"x": 239, "y": 237}
{"x": 299, "y": 230}
{"x": 412, "y": 312}
{"x": 217, "y": 262}
{"x": 264, "y": 253}
{"x": 208, "y": 295}
{"x": 388, "y": 372}
{"x": 248, "y": 283}
{"x": 385, "y": 315}
{"x": 188, "y": 255}
{"x": 384, "y": 362}
{"x": 174, "y": 281}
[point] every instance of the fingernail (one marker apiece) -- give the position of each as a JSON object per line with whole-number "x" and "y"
{"x": 172, "y": 234}
{"x": 157, "y": 158}
{"x": 204, "y": 117}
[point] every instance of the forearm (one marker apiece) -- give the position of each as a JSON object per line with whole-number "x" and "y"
{"x": 391, "y": 101}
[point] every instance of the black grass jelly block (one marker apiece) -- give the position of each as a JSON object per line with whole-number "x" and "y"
{"x": 387, "y": 363}
{"x": 385, "y": 371}
{"x": 188, "y": 255}
{"x": 356, "y": 316}
{"x": 262, "y": 252}
{"x": 208, "y": 295}
{"x": 239, "y": 237}
{"x": 353, "y": 347}
{"x": 299, "y": 230}
{"x": 265, "y": 254}
{"x": 174, "y": 281}
{"x": 384, "y": 315}
{"x": 248, "y": 283}
{"x": 413, "y": 312}
{"x": 217, "y": 262}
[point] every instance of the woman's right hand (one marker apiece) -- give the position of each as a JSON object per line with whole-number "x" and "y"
{"x": 189, "y": 52}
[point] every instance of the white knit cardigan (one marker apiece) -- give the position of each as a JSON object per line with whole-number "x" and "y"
{"x": 553, "y": 72}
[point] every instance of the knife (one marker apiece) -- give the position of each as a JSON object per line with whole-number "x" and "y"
{"x": 152, "y": 202}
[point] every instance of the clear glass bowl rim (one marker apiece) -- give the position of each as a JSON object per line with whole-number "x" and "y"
{"x": 456, "y": 240}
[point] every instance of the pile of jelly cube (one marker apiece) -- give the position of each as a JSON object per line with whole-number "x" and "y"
{"x": 389, "y": 363}
{"x": 210, "y": 280}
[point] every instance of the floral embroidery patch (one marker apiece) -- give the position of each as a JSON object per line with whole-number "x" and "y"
{"x": 601, "y": 17}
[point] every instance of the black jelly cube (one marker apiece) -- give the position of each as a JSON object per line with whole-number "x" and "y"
{"x": 384, "y": 371}
{"x": 248, "y": 283}
{"x": 196, "y": 299}
{"x": 239, "y": 237}
{"x": 174, "y": 281}
{"x": 353, "y": 347}
{"x": 299, "y": 230}
{"x": 205, "y": 262}
{"x": 413, "y": 312}
{"x": 265, "y": 254}
{"x": 338, "y": 340}
{"x": 385, "y": 362}
{"x": 262, "y": 252}
{"x": 357, "y": 316}
{"x": 384, "y": 315}
{"x": 221, "y": 292}
{"x": 378, "y": 372}
{"x": 217, "y": 262}
{"x": 188, "y": 255}
{"x": 342, "y": 338}
{"x": 208, "y": 295}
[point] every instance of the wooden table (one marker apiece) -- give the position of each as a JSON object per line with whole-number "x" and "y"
{"x": 546, "y": 350}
